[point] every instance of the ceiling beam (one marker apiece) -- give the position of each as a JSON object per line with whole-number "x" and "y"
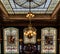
{"x": 23, "y": 17}
{"x": 26, "y": 23}
{"x": 55, "y": 10}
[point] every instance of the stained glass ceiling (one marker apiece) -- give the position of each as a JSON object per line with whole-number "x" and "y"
{"x": 22, "y": 6}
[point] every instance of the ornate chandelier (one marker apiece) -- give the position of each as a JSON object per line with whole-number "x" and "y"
{"x": 30, "y": 31}
{"x": 30, "y": 15}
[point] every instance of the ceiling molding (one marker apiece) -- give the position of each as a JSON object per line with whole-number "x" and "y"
{"x": 25, "y": 23}
{"x": 37, "y": 17}
{"x": 5, "y": 14}
{"x": 55, "y": 10}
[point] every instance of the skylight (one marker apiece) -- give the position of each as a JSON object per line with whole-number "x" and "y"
{"x": 22, "y": 6}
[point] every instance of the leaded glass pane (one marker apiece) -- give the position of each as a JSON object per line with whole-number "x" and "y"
{"x": 48, "y": 43}
{"x": 11, "y": 40}
{"x": 12, "y": 6}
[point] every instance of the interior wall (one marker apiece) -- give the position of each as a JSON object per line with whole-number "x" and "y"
{"x": 38, "y": 24}
{"x": 0, "y": 40}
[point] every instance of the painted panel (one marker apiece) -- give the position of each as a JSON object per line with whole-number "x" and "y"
{"x": 48, "y": 43}
{"x": 11, "y": 40}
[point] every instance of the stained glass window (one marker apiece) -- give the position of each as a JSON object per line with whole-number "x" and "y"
{"x": 48, "y": 37}
{"x": 11, "y": 40}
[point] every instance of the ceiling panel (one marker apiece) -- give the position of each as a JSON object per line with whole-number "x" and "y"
{"x": 52, "y": 5}
{"x": 22, "y": 6}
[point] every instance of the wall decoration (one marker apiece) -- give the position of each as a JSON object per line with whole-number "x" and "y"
{"x": 11, "y": 40}
{"x": 48, "y": 37}
{"x": 32, "y": 40}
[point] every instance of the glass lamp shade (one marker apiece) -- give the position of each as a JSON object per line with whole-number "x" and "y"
{"x": 30, "y": 32}
{"x": 30, "y": 15}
